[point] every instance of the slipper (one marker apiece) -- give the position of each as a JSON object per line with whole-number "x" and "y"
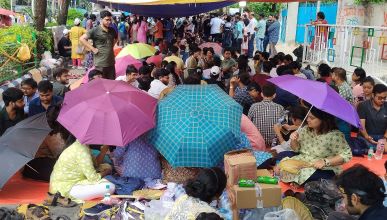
{"x": 35, "y": 212}
{"x": 58, "y": 200}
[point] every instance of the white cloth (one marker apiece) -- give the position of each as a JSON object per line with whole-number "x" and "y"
{"x": 273, "y": 72}
{"x": 216, "y": 24}
{"x": 285, "y": 146}
{"x": 156, "y": 87}
{"x": 301, "y": 75}
{"x": 89, "y": 192}
{"x": 123, "y": 78}
{"x": 252, "y": 25}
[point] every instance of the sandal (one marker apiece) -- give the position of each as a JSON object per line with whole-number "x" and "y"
{"x": 35, "y": 212}
{"x": 58, "y": 200}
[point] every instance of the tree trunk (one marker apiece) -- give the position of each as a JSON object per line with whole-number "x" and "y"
{"x": 40, "y": 14}
{"x": 63, "y": 10}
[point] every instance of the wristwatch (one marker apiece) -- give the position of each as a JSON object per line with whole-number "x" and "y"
{"x": 327, "y": 162}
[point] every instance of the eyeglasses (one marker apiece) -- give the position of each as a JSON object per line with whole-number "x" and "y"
{"x": 381, "y": 98}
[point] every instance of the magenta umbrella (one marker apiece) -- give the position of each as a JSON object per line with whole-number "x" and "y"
{"x": 123, "y": 62}
{"x": 320, "y": 95}
{"x": 107, "y": 112}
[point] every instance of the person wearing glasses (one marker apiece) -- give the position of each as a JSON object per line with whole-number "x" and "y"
{"x": 373, "y": 115}
{"x": 104, "y": 38}
{"x": 363, "y": 197}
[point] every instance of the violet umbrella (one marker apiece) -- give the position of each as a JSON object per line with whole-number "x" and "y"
{"x": 125, "y": 61}
{"x": 320, "y": 95}
{"x": 107, "y": 112}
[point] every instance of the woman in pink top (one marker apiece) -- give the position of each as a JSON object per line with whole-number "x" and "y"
{"x": 358, "y": 77}
{"x": 142, "y": 30}
{"x": 252, "y": 133}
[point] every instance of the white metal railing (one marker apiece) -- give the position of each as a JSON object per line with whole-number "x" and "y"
{"x": 348, "y": 46}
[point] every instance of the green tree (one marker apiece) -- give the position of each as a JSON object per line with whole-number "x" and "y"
{"x": 5, "y": 4}
{"x": 264, "y": 7}
{"x": 40, "y": 14}
{"x": 63, "y": 12}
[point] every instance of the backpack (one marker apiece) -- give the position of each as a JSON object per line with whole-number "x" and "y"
{"x": 122, "y": 27}
{"x": 358, "y": 146}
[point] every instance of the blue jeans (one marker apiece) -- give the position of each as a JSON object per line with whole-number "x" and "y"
{"x": 265, "y": 42}
{"x": 259, "y": 43}
{"x": 250, "y": 50}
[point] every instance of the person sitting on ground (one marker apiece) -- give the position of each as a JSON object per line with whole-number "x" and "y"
{"x": 174, "y": 78}
{"x": 94, "y": 74}
{"x": 60, "y": 85}
{"x": 261, "y": 77}
{"x": 228, "y": 64}
{"x": 214, "y": 77}
{"x": 282, "y": 131}
{"x": 363, "y": 194}
{"x": 321, "y": 145}
{"x": 238, "y": 91}
{"x": 175, "y": 58}
{"x": 372, "y": 114}
{"x": 339, "y": 77}
{"x": 159, "y": 83}
{"x": 296, "y": 69}
{"x": 131, "y": 76}
{"x": 13, "y": 111}
{"x": 64, "y": 45}
{"x": 208, "y": 185}
{"x": 74, "y": 174}
{"x": 266, "y": 113}
{"x": 283, "y": 97}
{"x": 29, "y": 87}
{"x": 208, "y": 58}
{"x": 266, "y": 69}
{"x": 208, "y": 216}
{"x": 288, "y": 59}
{"x": 46, "y": 98}
{"x": 368, "y": 86}
{"x": 254, "y": 91}
{"x": 193, "y": 59}
{"x": 192, "y": 79}
{"x": 358, "y": 76}
{"x": 324, "y": 70}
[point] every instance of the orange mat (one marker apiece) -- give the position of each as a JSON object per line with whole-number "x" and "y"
{"x": 19, "y": 190}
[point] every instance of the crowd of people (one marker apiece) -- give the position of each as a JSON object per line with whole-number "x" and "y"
{"x": 241, "y": 70}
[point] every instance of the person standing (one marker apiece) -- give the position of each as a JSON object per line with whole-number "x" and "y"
{"x": 76, "y": 48}
{"x": 159, "y": 30}
{"x": 239, "y": 32}
{"x": 104, "y": 38}
{"x": 216, "y": 25}
{"x": 251, "y": 28}
{"x": 266, "y": 38}
{"x": 123, "y": 31}
{"x": 273, "y": 32}
{"x": 168, "y": 30}
{"x": 261, "y": 28}
{"x": 91, "y": 22}
{"x": 142, "y": 30}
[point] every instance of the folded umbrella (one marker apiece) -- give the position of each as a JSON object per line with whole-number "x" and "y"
{"x": 196, "y": 125}
{"x": 107, "y": 112}
{"x": 137, "y": 50}
{"x": 19, "y": 144}
{"x": 123, "y": 62}
{"x": 320, "y": 95}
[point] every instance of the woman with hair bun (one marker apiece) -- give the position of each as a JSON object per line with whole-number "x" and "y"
{"x": 208, "y": 186}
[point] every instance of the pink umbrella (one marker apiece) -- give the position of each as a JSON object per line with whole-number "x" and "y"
{"x": 123, "y": 62}
{"x": 157, "y": 59}
{"x": 107, "y": 112}
{"x": 6, "y": 12}
{"x": 217, "y": 48}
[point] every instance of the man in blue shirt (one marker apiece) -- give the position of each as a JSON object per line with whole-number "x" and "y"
{"x": 29, "y": 88}
{"x": 45, "y": 99}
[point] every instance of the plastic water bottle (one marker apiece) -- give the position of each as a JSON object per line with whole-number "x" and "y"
{"x": 370, "y": 153}
{"x": 380, "y": 149}
{"x": 107, "y": 194}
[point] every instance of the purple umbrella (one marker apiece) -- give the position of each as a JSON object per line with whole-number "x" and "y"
{"x": 107, "y": 112}
{"x": 123, "y": 62}
{"x": 320, "y": 95}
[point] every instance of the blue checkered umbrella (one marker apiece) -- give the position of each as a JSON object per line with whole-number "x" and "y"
{"x": 196, "y": 125}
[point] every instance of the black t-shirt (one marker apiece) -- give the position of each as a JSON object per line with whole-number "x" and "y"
{"x": 64, "y": 42}
{"x": 206, "y": 26}
{"x": 375, "y": 121}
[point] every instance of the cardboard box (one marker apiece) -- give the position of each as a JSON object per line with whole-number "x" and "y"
{"x": 263, "y": 172}
{"x": 240, "y": 164}
{"x": 262, "y": 196}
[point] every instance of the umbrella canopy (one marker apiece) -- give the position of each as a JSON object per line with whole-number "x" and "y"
{"x": 19, "y": 144}
{"x": 138, "y": 51}
{"x": 107, "y": 112}
{"x": 157, "y": 59}
{"x": 320, "y": 95}
{"x": 6, "y": 12}
{"x": 125, "y": 61}
{"x": 217, "y": 48}
{"x": 196, "y": 125}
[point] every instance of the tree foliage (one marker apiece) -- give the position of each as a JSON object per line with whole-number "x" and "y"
{"x": 5, "y": 4}
{"x": 264, "y": 7}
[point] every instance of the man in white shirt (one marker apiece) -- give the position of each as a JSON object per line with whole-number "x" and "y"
{"x": 216, "y": 25}
{"x": 159, "y": 83}
{"x": 251, "y": 28}
{"x": 131, "y": 76}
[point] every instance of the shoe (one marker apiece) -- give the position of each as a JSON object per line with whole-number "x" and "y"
{"x": 97, "y": 209}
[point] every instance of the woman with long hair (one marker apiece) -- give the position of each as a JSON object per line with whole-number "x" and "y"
{"x": 174, "y": 78}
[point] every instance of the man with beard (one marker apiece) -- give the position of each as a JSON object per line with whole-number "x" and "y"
{"x": 13, "y": 111}
{"x": 60, "y": 85}
{"x": 159, "y": 83}
{"x": 104, "y": 38}
{"x": 46, "y": 98}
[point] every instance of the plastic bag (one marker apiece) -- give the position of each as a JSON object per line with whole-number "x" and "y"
{"x": 24, "y": 53}
{"x": 284, "y": 214}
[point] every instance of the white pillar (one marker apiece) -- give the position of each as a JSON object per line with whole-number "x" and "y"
{"x": 318, "y": 6}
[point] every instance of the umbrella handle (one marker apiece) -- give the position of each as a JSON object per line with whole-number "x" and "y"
{"x": 303, "y": 121}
